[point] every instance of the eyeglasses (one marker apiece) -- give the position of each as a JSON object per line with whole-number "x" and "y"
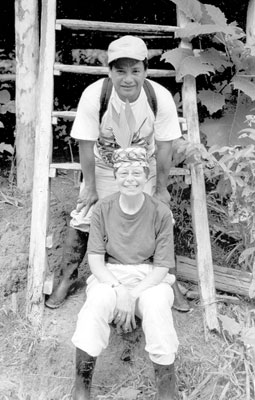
{"x": 126, "y": 174}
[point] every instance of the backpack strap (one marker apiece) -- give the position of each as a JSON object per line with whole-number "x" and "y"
{"x": 107, "y": 90}
{"x": 151, "y": 96}
{"x": 104, "y": 97}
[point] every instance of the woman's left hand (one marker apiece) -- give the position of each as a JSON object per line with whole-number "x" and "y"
{"x": 124, "y": 314}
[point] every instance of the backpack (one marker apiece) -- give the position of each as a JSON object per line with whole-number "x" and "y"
{"x": 107, "y": 90}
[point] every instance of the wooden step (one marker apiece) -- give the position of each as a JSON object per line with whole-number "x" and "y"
{"x": 7, "y": 77}
{"x": 54, "y": 167}
{"x": 93, "y": 70}
{"x": 116, "y": 27}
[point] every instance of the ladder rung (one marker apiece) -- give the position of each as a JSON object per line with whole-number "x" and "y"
{"x": 7, "y": 77}
{"x": 71, "y": 115}
{"x": 116, "y": 27}
{"x": 77, "y": 167}
{"x": 84, "y": 69}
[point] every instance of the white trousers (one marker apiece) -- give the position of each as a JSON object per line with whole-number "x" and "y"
{"x": 153, "y": 307}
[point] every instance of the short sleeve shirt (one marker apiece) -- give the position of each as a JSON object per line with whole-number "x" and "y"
{"x": 148, "y": 128}
{"x": 144, "y": 237}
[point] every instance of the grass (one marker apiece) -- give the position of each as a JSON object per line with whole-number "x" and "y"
{"x": 221, "y": 368}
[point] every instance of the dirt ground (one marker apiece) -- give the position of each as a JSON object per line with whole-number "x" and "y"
{"x": 41, "y": 366}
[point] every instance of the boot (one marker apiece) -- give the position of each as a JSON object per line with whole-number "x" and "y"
{"x": 165, "y": 381}
{"x": 74, "y": 251}
{"x": 85, "y": 365}
{"x": 180, "y": 303}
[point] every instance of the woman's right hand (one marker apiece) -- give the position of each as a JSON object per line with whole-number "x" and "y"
{"x": 124, "y": 314}
{"x": 87, "y": 197}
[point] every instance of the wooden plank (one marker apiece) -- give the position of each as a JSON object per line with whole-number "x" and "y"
{"x": 116, "y": 27}
{"x": 250, "y": 26}
{"x": 90, "y": 70}
{"x": 43, "y": 151}
{"x": 7, "y": 77}
{"x": 77, "y": 167}
{"x": 226, "y": 279}
{"x": 198, "y": 203}
{"x": 27, "y": 61}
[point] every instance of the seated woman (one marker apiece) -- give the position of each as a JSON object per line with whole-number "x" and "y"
{"x": 130, "y": 250}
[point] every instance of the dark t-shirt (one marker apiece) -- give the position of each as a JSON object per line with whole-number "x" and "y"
{"x": 144, "y": 237}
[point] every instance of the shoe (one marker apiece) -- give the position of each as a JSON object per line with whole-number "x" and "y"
{"x": 57, "y": 298}
{"x": 180, "y": 303}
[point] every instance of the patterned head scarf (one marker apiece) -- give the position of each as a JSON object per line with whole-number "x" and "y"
{"x": 131, "y": 156}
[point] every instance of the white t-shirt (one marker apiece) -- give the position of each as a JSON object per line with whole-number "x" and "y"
{"x": 86, "y": 126}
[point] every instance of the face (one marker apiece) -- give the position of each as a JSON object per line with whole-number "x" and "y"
{"x": 127, "y": 77}
{"x": 131, "y": 180}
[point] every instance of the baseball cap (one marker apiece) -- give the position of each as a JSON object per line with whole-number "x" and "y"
{"x": 127, "y": 47}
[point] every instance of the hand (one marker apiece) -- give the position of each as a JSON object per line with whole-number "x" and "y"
{"x": 86, "y": 199}
{"x": 124, "y": 314}
{"x": 163, "y": 195}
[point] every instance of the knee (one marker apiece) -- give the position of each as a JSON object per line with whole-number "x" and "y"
{"x": 157, "y": 297}
{"x": 101, "y": 296}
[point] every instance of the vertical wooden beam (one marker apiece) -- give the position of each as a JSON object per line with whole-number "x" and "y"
{"x": 250, "y": 26}
{"x": 198, "y": 203}
{"x": 43, "y": 153}
{"x": 27, "y": 61}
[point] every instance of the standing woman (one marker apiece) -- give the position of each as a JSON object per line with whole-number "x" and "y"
{"x": 130, "y": 251}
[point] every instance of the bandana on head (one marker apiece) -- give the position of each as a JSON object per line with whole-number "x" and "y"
{"x": 135, "y": 156}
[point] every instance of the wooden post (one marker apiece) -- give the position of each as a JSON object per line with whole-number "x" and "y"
{"x": 198, "y": 203}
{"x": 43, "y": 153}
{"x": 27, "y": 61}
{"x": 250, "y": 26}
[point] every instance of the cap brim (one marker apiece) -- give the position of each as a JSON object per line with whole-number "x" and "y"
{"x": 123, "y": 54}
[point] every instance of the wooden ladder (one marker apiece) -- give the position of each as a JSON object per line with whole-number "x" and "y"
{"x": 44, "y": 170}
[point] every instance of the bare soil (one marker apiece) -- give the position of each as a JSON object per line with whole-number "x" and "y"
{"x": 40, "y": 366}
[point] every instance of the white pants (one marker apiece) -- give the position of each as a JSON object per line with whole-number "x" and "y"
{"x": 153, "y": 307}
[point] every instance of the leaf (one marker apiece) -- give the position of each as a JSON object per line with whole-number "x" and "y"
{"x": 193, "y": 66}
{"x": 225, "y": 131}
{"x": 6, "y": 147}
{"x": 248, "y": 132}
{"x": 193, "y": 29}
{"x": 215, "y": 15}
{"x": 215, "y": 58}
{"x": 5, "y": 96}
{"x": 245, "y": 85}
{"x": 230, "y": 325}
{"x": 252, "y": 289}
{"x": 245, "y": 254}
{"x": 191, "y": 8}
{"x": 248, "y": 336}
{"x": 176, "y": 56}
{"x": 213, "y": 101}
{"x": 1, "y": 125}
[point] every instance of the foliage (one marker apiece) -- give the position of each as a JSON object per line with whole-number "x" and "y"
{"x": 6, "y": 105}
{"x": 225, "y": 68}
{"x": 222, "y": 61}
{"x": 239, "y": 333}
{"x": 231, "y": 172}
